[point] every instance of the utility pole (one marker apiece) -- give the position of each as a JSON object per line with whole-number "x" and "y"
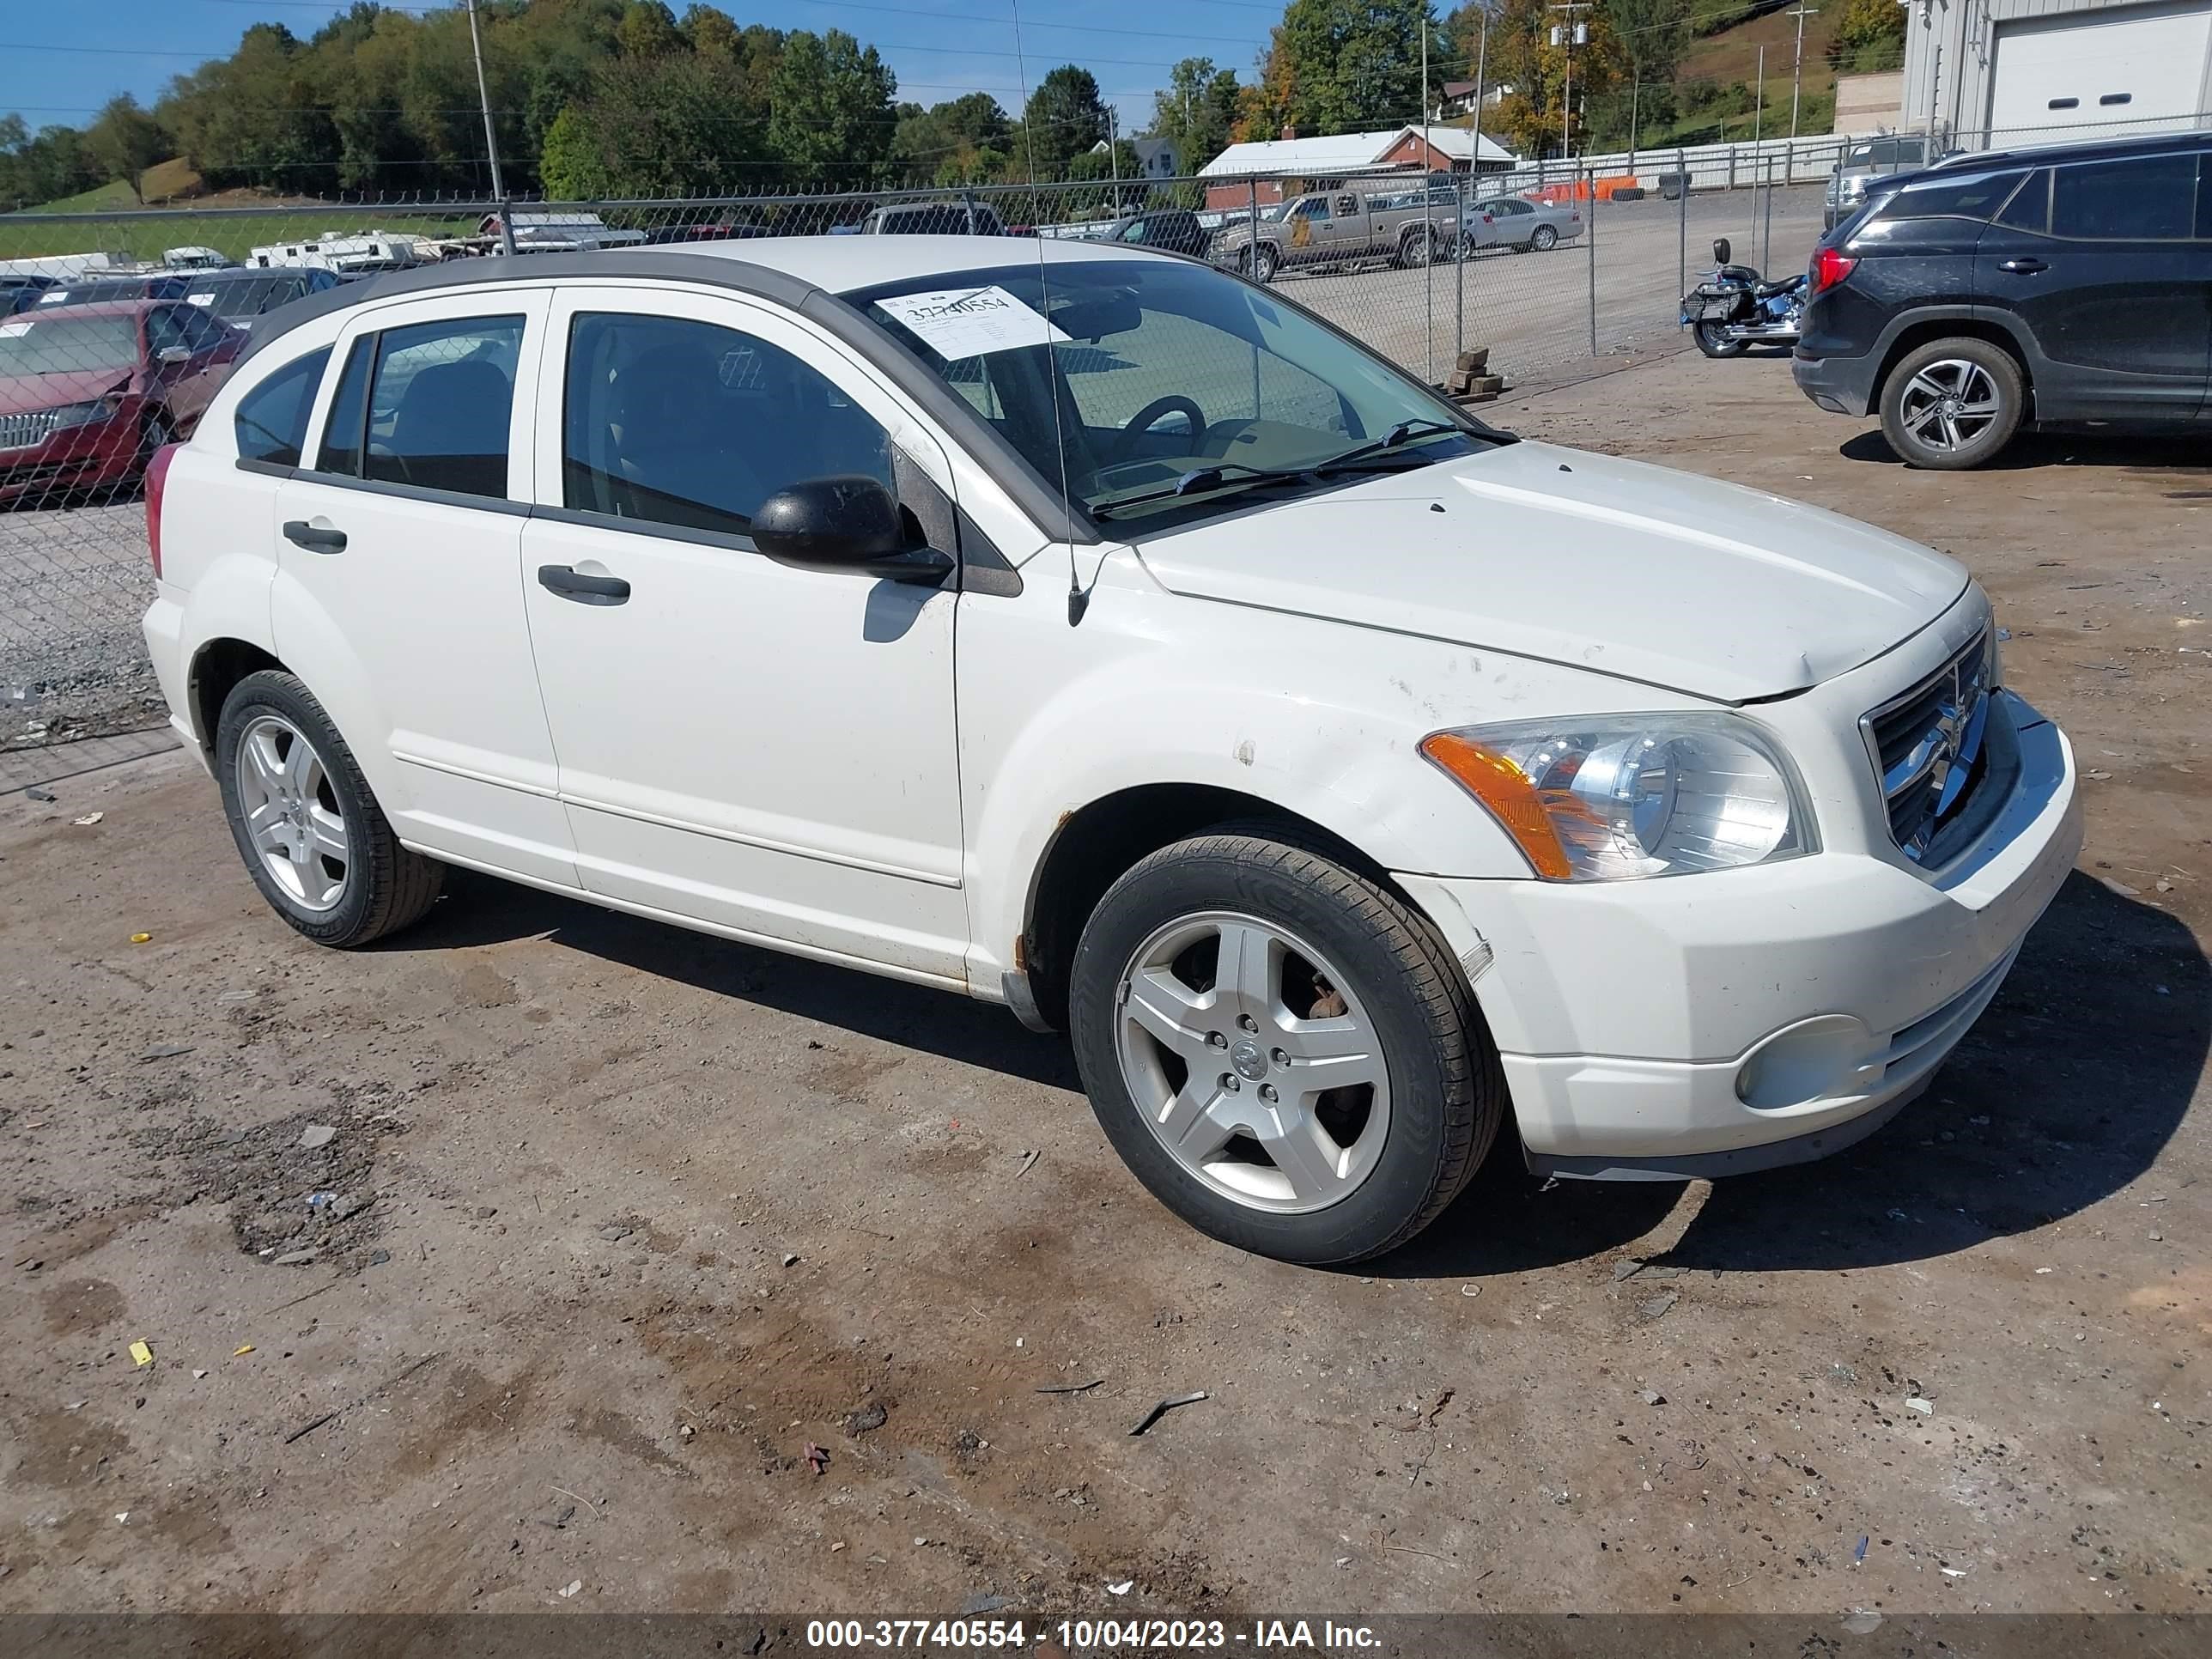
{"x": 1481, "y": 56}
{"x": 1797, "y": 65}
{"x": 491, "y": 144}
{"x": 1571, "y": 34}
{"x": 1758, "y": 101}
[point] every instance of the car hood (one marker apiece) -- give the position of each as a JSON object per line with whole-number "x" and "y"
{"x": 1635, "y": 571}
{"x": 23, "y": 393}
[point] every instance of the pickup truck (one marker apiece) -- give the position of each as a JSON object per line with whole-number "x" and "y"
{"x": 1341, "y": 228}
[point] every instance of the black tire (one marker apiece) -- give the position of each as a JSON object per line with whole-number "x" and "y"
{"x": 1713, "y": 343}
{"x": 1264, "y": 262}
{"x": 1544, "y": 238}
{"x": 1447, "y": 1091}
{"x": 387, "y": 886}
{"x": 1416, "y": 249}
{"x": 2007, "y": 389}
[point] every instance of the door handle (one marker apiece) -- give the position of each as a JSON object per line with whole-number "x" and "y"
{"x": 573, "y": 584}
{"x": 2025, "y": 267}
{"x": 300, "y": 533}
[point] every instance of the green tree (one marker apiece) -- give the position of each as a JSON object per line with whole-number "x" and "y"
{"x": 124, "y": 140}
{"x": 711, "y": 30}
{"x": 1353, "y": 65}
{"x": 830, "y": 120}
{"x": 1064, "y": 117}
{"x": 964, "y": 137}
{"x": 1197, "y": 109}
{"x": 648, "y": 29}
{"x": 1870, "y": 36}
{"x": 1522, "y": 56}
{"x": 670, "y": 125}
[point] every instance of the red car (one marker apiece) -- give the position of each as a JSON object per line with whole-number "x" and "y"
{"x": 89, "y": 393}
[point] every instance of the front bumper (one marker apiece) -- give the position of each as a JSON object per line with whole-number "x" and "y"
{"x": 1842, "y": 385}
{"x": 1712, "y": 1023}
{"x": 76, "y": 458}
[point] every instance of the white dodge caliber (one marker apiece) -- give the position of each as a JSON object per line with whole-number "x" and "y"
{"x": 1091, "y": 632}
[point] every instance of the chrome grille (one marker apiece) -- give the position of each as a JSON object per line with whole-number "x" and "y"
{"x": 1928, "y": 751}
{"x": 21, "y": 431}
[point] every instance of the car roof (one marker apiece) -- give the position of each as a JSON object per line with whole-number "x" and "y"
{"x": 2094, "y": 150}
{"x": 95, "y": 308}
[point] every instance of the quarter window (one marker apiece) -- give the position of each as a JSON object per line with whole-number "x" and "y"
{"x": 2030, "y": 207}
{"x": 439, "y": 405}
{"x": 2148, "y": 198}
{"x": 1943, "y": 197}
{"x": 681, "y": 423}
{"x": 272, "y": 422}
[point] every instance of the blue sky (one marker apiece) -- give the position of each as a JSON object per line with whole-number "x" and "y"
{"x": 938, "y": 48}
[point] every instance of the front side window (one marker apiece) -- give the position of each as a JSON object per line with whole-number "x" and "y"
{"x": 441, "y": 402}
{"x": 272, "y": 422}
{"x": 681, "y": 423}
{"x": 2142, "y": 198}
{"x": 1163, "y": 391}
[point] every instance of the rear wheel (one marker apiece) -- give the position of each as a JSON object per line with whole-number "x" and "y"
{"x": 1544, "y": 238}
{"x": 314, "y": 838}
{"x": 1285, "y": 1055}
{"x": 1953, "y": 404}
{"x": 1418, "y": 248}
{"x": 1713, "y": 340}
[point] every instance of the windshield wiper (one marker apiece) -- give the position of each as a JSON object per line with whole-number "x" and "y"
{"x": 1205, "y": 478}
{"x": 1397, "y": 437}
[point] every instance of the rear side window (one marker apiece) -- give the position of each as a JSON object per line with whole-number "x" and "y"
{"x": 1942, "y": 197}
{"x": 272, "y": 419}
{"x": 343, "y": 429}
{"x": 2151, "y": 199}
{"x": 439, "y": 405}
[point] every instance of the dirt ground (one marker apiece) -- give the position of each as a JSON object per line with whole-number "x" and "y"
{"x": 660, "y": 1274}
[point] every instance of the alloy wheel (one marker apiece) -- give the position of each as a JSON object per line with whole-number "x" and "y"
{"x": 1253, "y": 1061}
{"x": 1949, "y": 405}
{"x": 292, "y": 815}
{"x": 1544, "y": 238}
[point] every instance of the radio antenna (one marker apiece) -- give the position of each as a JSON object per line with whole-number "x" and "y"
{"x": 1079, "y": 597}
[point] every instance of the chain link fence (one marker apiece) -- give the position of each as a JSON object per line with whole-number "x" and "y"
{"x": 116, "y": 330}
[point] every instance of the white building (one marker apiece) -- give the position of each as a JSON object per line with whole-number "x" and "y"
{"x": 1357, "y": 152}
{"x": 2035, "y": 71}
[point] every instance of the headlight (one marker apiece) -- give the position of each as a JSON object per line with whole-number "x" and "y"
{"x": 103, "y": 409}
{"x": 1623, "y": 795}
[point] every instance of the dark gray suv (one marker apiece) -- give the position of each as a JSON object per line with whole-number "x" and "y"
{"x": 2061, "y": 284}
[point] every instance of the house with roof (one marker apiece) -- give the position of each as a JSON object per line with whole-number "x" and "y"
{"x": 1276, "y": 168}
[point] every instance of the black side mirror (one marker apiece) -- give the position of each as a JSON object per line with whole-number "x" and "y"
{"x": 1721, "y": 249}
{"x": 847, "y": 522}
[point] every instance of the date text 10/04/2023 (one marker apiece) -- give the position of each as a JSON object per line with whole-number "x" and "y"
{"x": 1090, "y": 1635}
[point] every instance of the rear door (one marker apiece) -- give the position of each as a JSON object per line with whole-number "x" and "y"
{"x": 2102, "y": 261}
{"x": 399, "y": 576}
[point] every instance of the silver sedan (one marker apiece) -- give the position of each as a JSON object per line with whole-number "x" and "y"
{"x": 1519, "y": 223}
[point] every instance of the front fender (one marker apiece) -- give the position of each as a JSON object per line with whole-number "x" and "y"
{"x": 1316, "y": 718}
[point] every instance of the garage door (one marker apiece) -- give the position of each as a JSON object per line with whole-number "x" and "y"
{"x": 2144, "y": 66}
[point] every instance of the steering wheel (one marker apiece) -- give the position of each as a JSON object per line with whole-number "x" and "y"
{"x": 1173, "y": 403}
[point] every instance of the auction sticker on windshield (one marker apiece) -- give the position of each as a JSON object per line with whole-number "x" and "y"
{"x": 967, "y": 322}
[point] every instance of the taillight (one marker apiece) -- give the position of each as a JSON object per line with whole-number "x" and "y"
{"x": 157, "y": 478}
{"x": 1830, "y": 267}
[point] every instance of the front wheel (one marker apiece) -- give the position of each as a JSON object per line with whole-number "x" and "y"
{"x": 1263, "y": 264}
{"x": 1712, "y": 340}
{"x": 1953, "y": 404}
{"x": 1280, "y": 1050}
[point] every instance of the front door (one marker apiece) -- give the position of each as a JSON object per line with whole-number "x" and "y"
{"x": 2116, "y": 291}
{"x": 399, "y": 587}
{"x": 768, "y": 750}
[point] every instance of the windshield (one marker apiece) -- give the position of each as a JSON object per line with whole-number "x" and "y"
{"x": 1179, "y": 391}
{"x": 247, "y": 297}
{"x": 67, "y": 345}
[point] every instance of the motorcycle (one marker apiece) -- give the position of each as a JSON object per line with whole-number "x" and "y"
{"x": 1735, "y": 308}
